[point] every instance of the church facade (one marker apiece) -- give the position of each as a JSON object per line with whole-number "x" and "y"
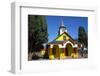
{"x": 63, "y": 46}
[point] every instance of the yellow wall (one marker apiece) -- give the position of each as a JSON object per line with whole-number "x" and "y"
{"x": 61, "y": 37}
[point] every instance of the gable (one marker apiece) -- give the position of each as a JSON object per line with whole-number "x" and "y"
{"x": 62, "y": 37}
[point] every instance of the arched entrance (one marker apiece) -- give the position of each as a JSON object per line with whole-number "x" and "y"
{"x": 68, "y": 49}
{"x": 55, "y": 51}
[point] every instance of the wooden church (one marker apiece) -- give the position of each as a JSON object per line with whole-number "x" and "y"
{"x": 63, "y": 46}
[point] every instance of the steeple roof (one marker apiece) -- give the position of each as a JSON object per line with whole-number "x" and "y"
{"x": 62, "y": 23}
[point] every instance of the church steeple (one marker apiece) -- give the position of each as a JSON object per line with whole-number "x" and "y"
{"x": 62, "y": 23}
{"x": 62, "y": 28}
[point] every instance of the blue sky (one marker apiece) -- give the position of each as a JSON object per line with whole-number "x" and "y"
{"x": 72, "y": 24}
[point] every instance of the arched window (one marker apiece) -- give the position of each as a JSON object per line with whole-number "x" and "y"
{"x": 64, "y": 37}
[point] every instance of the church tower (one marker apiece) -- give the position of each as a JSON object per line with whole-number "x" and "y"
{"x": 62, "y": 28}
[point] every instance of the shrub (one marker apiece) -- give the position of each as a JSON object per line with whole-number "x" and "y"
{"x": 46, "y": 56}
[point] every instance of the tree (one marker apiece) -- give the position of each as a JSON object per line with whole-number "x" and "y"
{"x": 37, "y": 33}
{"x": 82, "y": 36}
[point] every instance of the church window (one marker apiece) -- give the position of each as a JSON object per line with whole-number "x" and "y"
{"x": 63, "y": 30}
{"x": 64, "y": 37}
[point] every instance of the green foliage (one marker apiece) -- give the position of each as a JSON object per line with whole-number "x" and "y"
{"x": 37, "y": 32}
{"x": 82, "y": 36}
{"x": 46, "y": 56}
